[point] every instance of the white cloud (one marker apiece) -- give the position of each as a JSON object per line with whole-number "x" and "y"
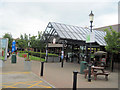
{"x": 59, "y": 1}
{"x": 20, "y": 18}
{"x": 105, "y": 20}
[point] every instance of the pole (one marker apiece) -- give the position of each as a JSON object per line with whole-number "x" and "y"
{"x": 42, "y": 66}
{"x": 62, "y": 55}
{"x": 28, "y": 45}
{"x": 75, "y": 80}
{"x": 46, "y": 49}
{"x": 28, "y": 52}
{"x": 89, "y": 73}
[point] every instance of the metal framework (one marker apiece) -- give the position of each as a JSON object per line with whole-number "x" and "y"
{"x": 71, "y": 34}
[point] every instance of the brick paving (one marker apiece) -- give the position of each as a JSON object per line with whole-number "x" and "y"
{"x": 16, "y": 76}
{"x": 63, "y": 77}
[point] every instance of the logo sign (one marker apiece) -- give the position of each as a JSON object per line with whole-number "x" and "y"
{"x": 13, "y": 46}
{"x": 90, "y": 38}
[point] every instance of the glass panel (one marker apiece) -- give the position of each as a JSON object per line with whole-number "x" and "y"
{"x": 72, "y": 36}
{"x": 60, "y": 34}
{"x": 78, "y": 30}
{"x": 54, "y": 26}
{"x": 67, "y": 35}
{"x": 81, "y": 30}
{"x": 100, "y": 41}
{"x": 65, "y": 27}
{"x": 82, "y": 38}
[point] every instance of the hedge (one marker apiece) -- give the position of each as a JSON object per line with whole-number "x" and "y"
{"x": 37, "y": 54}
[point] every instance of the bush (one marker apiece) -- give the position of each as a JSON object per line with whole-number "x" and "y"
{"x": 38, "y": 54}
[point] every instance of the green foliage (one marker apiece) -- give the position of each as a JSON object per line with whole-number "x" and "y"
{"x": 37, "y": 54}
{"x": 21, "y": 43}
{"x": 10, "y": 39}
{"x": 35, "y": 41}
{"x": 32, "y": 57}
{"x": 112, "y": 39}
{"x": 21, "y": 36}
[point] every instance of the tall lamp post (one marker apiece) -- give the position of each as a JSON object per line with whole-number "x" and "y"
{"x": 28, "y": 46}
{"x": 91, "y": 16}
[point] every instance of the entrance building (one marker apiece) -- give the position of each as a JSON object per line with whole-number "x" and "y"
{"x": 70, "y": 41}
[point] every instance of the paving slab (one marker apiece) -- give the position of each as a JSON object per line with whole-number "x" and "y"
{"x": 15, "y": 76}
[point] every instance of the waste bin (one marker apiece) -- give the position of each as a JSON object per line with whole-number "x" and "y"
{"x": 83, "y": 65}
{"x": 13, "y": 58}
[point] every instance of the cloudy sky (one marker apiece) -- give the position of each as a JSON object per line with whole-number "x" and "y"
{"x": 30, "y": 16}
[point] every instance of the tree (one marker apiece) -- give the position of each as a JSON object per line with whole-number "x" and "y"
{"x": 21, "y": 36}
{"x": 33, "y": 43}
{"x": 10, "y": 39}
{"x": 40, "y": 43}
{"x": 23, "y": 41}
{"x": 26, "y": 37}
{"x": 112, "y": 39}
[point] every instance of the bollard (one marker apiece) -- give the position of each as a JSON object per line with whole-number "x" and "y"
{"x": 75, "y": 80}
{"x": 42, "y": 66}
{"x": 89, "y": 73}
{"x": 62, "y": 64}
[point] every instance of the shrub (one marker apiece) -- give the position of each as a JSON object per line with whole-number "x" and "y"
{"x": 38, "y": 54}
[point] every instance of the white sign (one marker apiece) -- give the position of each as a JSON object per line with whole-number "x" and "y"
{"x": 90, "y": 38}
{"x": 54, "y": 40}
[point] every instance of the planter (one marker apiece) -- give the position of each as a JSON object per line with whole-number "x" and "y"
{"x": 1, "y": 63}
{"x": 27, "y": 65}
{"x": 53, "y": 59}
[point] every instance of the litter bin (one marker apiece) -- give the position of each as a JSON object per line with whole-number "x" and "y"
{"x": 13, "y": 58}
{"x": 83, "y": 65}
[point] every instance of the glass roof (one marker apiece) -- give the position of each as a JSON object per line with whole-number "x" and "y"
{"x": 77, "y": 33}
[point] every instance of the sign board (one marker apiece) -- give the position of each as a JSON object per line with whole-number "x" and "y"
{"x": 54, "y": 40}
{"x": 13, "y": 46}
{"x": 90, "y": 38}
{"x": 3, "y": 48}
{"x": 4, "y": 42}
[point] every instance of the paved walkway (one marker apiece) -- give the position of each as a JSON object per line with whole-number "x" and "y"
{"x": 54, "y": 74}
{"x": 63, "y": 77}
{"x": 16, "y": 76}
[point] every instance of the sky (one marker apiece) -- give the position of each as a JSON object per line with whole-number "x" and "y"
{"x": 30, "y": 16}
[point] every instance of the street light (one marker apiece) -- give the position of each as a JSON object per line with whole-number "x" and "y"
{"x": 91, "y": 16}
{"x": 28, "y": 49}
{"x": 28, "y": 46}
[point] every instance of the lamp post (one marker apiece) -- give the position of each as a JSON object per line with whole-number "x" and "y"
{"x": 28, "y": 46}
{"x": 91, "y": 16}
{"x": 28, "y": 49}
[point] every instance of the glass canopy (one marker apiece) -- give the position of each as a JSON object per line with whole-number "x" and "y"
{"x": 71, "y": 32}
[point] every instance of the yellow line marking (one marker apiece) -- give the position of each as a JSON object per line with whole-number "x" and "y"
{"x": 26, "y": 83}
{"x": 16, "y": 73}
{"x": 44, "y": 86}
{"x": 13, "y": 84}
{"x": 9, "y": 86}
{"x": 34, "y": 84}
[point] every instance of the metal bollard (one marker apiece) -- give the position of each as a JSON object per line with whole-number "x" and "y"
{"x": 62, "y": 64}
{"x": 42, "y": 66}
{"x": 89, "y": 73}
{"x": 75, "y": 80}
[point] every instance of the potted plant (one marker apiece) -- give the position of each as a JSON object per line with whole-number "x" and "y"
{"x": 27, "y": 63}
